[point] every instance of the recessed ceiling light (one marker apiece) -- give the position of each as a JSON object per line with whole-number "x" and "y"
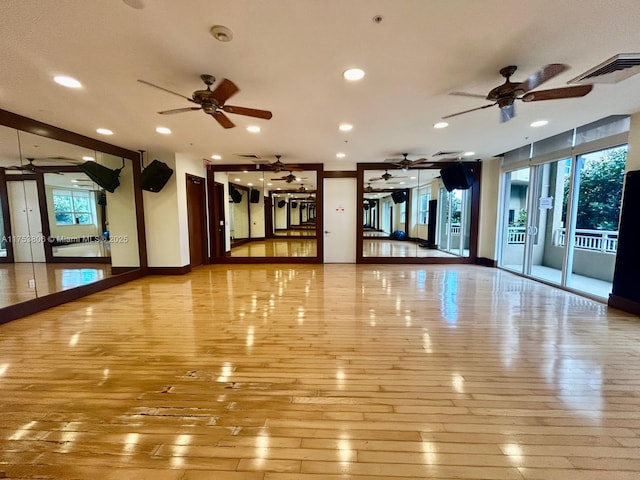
{"x": 221, "y": 33}
{"x": 269, "y": 184}
{"x": 441, "y": 125}
{"x": 250, "y": 184}
{"x": 236, "y": 179}
{"x": 341, "y": 155}
{"x": 261, "y": 179}
{"x": 245, "y": 171}
{"x": 68, "y": 82}
{"x": 87, "y": 158}
{"x": 278, "y": 188}
{"x": 104, "y": 131}
{"x": 216, "y": 157}
{"x": 469, "y": 154}
{"x": 353, "y": 74}
{"x": 345, "y": 127}
{"x": 253, "y": 128}
{"x": 163, "y": 130}
{"x": 414, "y": 178}
{"x": 539, "y": 123}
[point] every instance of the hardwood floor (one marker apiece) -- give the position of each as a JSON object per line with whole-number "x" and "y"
{"x": 315, "y": 372}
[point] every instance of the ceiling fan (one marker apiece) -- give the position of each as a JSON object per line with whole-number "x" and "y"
{"x": 278, "y": 166}
{"x": 212, "y": 102}
{"x": 289, "y": 178}
{"x": 405, "y": 164}
{"x": 506, "y": 94}
{"x": 386, "y": 176}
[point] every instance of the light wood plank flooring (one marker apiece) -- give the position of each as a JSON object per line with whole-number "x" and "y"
{"x": 323, "y": 372}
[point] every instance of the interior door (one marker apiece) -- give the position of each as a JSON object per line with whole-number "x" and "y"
{"x": 340, "y": 219}
{"x": 196, "y": 216}
{"x": 25, "y": 221}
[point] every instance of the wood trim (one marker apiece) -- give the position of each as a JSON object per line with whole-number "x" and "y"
{"x": 139, "y": 202}
{"x": 624, "y": 304}
{"x": 417, "y": 260}
{"x": 35, "y": 127}
{"x": 486, "y": 262}
{"x": 106, "y": 260}
{"x": 169, "y": 270}
{"x": 340, "y": 174}
{"x": 42, "y": 303}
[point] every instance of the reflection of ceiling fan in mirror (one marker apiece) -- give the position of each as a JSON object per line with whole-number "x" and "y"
{"x": 506, "y": 94}
{"x": 31, "y": 167}
{"x": 212, "y": 102}
{"x": 386, "y": 176}
{"x": 289, "y": 178}
{"x": 405, "y": 164}
{"x": 278, "y": 166}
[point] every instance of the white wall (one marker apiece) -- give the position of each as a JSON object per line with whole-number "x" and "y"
{"x": 256, "y": 212}
{"x": 633, "y": 157}
{"x": 489, "y": 196}
{"x": 161, "y": 218}
{"x": 193, "y": 165}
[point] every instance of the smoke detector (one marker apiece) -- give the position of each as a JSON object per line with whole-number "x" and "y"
{"x": 221, "y": 33}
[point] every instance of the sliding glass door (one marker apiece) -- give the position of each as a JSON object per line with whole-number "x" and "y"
{"x": 561, "y": 220}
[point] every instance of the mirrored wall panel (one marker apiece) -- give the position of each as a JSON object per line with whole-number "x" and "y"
{"x": 262, "y": 214}
{"x": 409, "y": 213}
{"x": 61, "y": 228}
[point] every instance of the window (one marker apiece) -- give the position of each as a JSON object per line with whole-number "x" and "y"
{"x": 423, "y": 212}
{"x": 72, "y": 207}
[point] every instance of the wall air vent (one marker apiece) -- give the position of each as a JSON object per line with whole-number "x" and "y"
{"x": 613, "y": 70}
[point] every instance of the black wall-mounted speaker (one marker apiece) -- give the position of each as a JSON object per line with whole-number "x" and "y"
{"x": 236, "y": 195}
{"x": 282, "y": 203}
{"x": 254, "y": 196}
{"x": 103, "y": 176}
{"x": 398, "y": 196}
{"x": 155, "y": 176}
{"x": 458, "y": 176}
{"x": 294, "y": 205}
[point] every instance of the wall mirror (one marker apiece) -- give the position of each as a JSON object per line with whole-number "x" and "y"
{"x": 261, "y": 214}
{"x": 60, "y": 229}
{"x": 409, "y": 216}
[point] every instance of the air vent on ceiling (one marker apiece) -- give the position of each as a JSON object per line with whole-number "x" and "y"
{"x": 613, "y": 70}
{"x": 448, "y": 154}
{"x": 247, "y": 155}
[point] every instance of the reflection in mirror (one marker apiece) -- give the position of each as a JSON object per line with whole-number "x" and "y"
{"x": 17, "y": 279}
{"x": 267, "y": 214}
{"x": 401, "y": 218}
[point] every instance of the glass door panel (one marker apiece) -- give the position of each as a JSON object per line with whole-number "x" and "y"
{"x": 599, "y": 180}
{"x": 547, "y": 223}
{"x": 515, "y": 223}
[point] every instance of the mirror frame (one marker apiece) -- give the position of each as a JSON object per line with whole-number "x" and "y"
{"x": 474, "y": 227}
{"x": 25, "y": 124}
{"x": 318, "y": 168}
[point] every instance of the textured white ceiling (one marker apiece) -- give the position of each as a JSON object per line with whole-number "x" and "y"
{"x": 288, "y": 56}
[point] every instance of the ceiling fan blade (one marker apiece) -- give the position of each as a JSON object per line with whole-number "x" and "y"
{"x": 472, "y": 110}
{"x": 419, "y": 161}
{"x": 375, "y": 179}
{"x": 251, "y": 112}
{"x": 224, "y": 91}
{"x": 545, "y": 73}
{"x": 465, "y": 94}
{"x": 557, "y": 93}
{"x": 167, "y": 90}
{"x": 178, "y": 110}
{"x": 222, "y": 119}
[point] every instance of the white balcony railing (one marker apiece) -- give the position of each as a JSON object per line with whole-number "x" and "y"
{"x": 595, "y": 240}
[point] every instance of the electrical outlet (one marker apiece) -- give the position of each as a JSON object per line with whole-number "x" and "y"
{"x": 31, "y": 283}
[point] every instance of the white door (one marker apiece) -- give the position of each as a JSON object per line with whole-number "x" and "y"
{"x": 26, "y": 225}
{"x": 340, "y": 220}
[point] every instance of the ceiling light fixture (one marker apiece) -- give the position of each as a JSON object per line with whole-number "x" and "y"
{"x": 341, "y": 155}
{"x": 236, "y": 180}
{"x": 345, "y": 127}
{"x": 353, "y": 74}
{"x": 221, "y": 33}
{"x": 104, "y": 131}
{"x": 539, "y": 123}
{"x": 253, "y": 128}
{"x": 216, "y": 157}
{"x": 87, "y": 158}
{"x": 68, "y": 82}
{"x": 441, "y": 125}
{"x": 163, "y": 130}
{"x": 469, "y": 154}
